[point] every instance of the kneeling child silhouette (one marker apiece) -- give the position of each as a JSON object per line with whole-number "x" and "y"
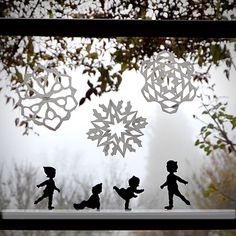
{"x": 94, "y": 200}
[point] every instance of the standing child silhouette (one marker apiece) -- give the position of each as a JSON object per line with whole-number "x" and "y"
{"x": 50, "y": 187}
{"x": 171, "y": 183}
{"x": 128, "y": 193}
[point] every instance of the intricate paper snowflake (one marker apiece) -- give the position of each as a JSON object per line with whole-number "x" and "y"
{"x": 117, "y": 128}
{"x": 46, "y": 97}
{"x": 168, "y": 81}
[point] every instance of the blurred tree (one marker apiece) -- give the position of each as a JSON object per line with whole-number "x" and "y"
{"x": 107, "y": 59}
{"x": 18, "y": 191}
{"x": 214, "y": 188}
{"x": 216, "y": 182}
{"x": 215, "y": 185}
{"x": 175, "y": 233}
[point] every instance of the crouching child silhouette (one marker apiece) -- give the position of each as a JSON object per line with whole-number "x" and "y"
{"x": 94, "y": 200}
{"x": 129, "y": 193}
{"x": 50, "y": 187}
{"x": 171, "y": 184}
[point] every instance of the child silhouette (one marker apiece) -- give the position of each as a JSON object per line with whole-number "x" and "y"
{"x": 50, "y": 186}
{"x": 171, "y": 183}
{"x": 94, "y": 200}
{"x": 128, "y": 193}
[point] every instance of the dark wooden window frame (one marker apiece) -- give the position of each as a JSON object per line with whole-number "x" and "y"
{"x": 106, "y": 28}
{"x": 117, "y": 220}
{"x": 109, "y": 28}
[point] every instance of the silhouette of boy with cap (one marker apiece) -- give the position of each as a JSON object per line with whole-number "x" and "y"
{"x": 50, "y": 186}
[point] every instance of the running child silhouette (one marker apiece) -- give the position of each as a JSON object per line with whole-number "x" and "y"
{"x": 50, "y": 186}
{"x": 94, "y": 200}
{"x": 171, "y": 183}
{"x": 128, "y": 193}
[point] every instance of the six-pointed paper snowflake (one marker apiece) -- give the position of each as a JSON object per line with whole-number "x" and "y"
{"x": 46, "y": 97}
{"x": 117, "y": 128}
{"x": 168, "y": 81}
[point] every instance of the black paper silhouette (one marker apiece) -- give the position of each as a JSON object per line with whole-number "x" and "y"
{"x": 171, "y": 183}
{"x": 50, "y": 186}
{"x": 128, "y": 193}
{"x": 94, "y": 200}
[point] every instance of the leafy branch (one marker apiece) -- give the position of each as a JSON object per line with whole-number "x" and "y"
{"x": 215, "y": 135}
{"x": 108, "y": 59}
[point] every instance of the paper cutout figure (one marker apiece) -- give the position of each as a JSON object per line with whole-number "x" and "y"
{"x": 171, "y": 184}
{"x": 120, "y": 139}
{"x": 168, "y": 81}
{"x": 50, "y": 187}
{"x": 129, "y": 193}
{"x": 46, "y": 97}
{"x": 93, "y": 202}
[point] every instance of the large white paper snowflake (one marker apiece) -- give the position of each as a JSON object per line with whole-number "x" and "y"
{"x": 168, "y": 81}
{"x": 46, "y": 97}
{"x": 117, "y": 129}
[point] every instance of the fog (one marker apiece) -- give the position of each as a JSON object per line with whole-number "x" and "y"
{"x": 167, "y": 136}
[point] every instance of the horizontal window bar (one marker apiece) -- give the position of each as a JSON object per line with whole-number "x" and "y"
{"x": 118, "y": 214}
{"x": 106, "y": 28}
{"x": 117, "y": 220}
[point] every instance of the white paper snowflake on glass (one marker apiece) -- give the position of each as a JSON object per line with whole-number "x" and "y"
{"x": 168, "y": 81}
{"x": 46, "y": 97}
{"x": 117, "y": 128}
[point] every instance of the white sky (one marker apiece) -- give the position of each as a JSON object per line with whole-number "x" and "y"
{"x": 167, "y": 136}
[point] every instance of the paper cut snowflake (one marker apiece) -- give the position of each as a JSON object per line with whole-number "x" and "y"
{"x": 168, "y": 81}
{"x": 117, "y": 128}
{"x": 46, "y": 97}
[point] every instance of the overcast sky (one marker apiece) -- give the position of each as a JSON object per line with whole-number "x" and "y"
{"x": 167, "y": 136}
